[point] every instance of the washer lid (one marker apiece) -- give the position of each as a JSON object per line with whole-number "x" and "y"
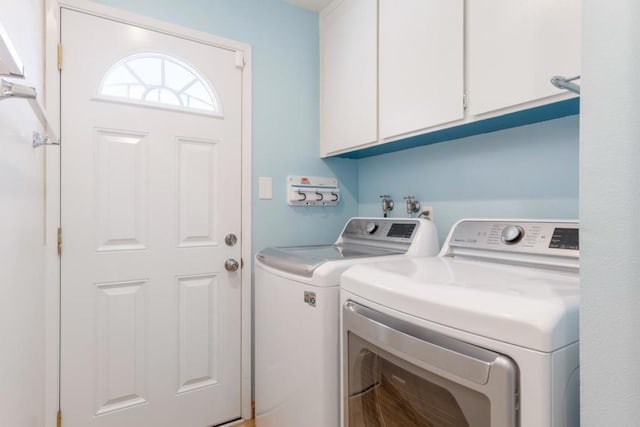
{"x": 525, "y": 306}
{"x": 304, "y": 260}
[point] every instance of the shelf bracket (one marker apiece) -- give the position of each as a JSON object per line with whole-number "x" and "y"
{"x": 14, "y": 90}
{"x": 40, "y": 139}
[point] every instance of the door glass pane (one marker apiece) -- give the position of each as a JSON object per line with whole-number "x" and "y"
{"x": 384, "y": 394}
{"x": 147, "y": 69}
{"x": 162, "y": 80}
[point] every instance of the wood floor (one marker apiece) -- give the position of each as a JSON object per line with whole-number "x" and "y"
{"x": 250, "y": 423}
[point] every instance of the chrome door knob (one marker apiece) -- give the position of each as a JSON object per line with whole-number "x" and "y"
{"x": 231, "y": 265}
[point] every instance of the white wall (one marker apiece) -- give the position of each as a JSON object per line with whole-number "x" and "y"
{"x": 22, "y": 338}
{"x": 610, "y": 214}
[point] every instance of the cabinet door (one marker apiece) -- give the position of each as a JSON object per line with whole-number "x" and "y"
{"x": 421, "y": 64}
{"x": 514, "y": 48}
{"x": 348, "y": 75}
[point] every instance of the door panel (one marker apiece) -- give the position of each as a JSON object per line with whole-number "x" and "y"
{"x": 150, "y": 317}
{"x": 120, "y": 162}
{"x": 198, "y": 324}
{"x": 120, "y": 337}
{"x": 198, "y": 178}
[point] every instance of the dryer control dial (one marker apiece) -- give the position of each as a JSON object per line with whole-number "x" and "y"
{"x": 512, "y": 234}
{"x": 371, "y": 227}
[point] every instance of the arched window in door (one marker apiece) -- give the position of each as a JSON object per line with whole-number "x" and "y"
{"x": 160, "y": 80}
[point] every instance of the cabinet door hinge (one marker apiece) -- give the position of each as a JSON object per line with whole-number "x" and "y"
{"x": 59, "y": 241}
{"x": 60, "y": 56}
{"x": 59, "y": 419}
{"x": 464, "y": 101}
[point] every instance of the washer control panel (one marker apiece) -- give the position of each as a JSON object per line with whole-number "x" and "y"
{"x": 393, "y": 230}
{"x": 540, "y": 237}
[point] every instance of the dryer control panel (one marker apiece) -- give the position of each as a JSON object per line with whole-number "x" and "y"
{"x": 550, "y": 238}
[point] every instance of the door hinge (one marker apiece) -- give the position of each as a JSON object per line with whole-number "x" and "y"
{"x": 59, "y": 241}
{"x": 464, "y": 101}
{"x": 60, "y": 56}
{"x": 59, "y": 419}
{"x": 240, "y": 59}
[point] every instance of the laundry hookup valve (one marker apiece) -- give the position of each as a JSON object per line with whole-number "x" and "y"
{"x": 387, "y": 204}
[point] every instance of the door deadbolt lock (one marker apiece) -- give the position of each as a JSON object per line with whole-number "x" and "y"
{"x": 231, "y": 265}
{"x": 230, "y": 239}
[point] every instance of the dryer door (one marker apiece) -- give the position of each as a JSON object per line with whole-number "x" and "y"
{"x": 399, "y": 375}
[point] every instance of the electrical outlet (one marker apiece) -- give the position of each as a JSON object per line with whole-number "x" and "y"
{"x": 426, "y": 212}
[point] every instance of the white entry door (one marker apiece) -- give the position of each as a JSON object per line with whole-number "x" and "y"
{"x": 151, "y": 156}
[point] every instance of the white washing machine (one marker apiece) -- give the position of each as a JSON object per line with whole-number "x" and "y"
{"x": 484, "y": 335}
{"x": 297, "y": 312}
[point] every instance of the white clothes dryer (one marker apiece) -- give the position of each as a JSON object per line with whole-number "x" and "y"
{"x": 484, "y": 335}
{"x": 297, "y": 312}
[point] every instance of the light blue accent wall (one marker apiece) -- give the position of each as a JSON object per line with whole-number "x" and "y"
{"x": 284, "y": 40}
{"x": 529, "y": 171}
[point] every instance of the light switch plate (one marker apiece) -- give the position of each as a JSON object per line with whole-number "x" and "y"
{"x": 265, "y": 188}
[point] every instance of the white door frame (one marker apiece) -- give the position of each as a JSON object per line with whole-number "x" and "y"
{"x": 52, "y": 97}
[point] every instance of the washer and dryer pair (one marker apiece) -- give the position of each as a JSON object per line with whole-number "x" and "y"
{"x": 484, "y": 334}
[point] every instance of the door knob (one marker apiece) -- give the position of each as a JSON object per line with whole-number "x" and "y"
{"x": 231, "y": 265}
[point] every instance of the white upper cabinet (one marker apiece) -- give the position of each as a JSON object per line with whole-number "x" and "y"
{"x": 393, "y": 69}
{"x": 348, "y": 75}
{"x": 514, "y": 47}
{"x": 421, "y": 64}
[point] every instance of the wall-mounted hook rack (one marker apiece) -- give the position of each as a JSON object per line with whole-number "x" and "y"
{"x": 312, "y": 191}
{"x": 14, "y": 90}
